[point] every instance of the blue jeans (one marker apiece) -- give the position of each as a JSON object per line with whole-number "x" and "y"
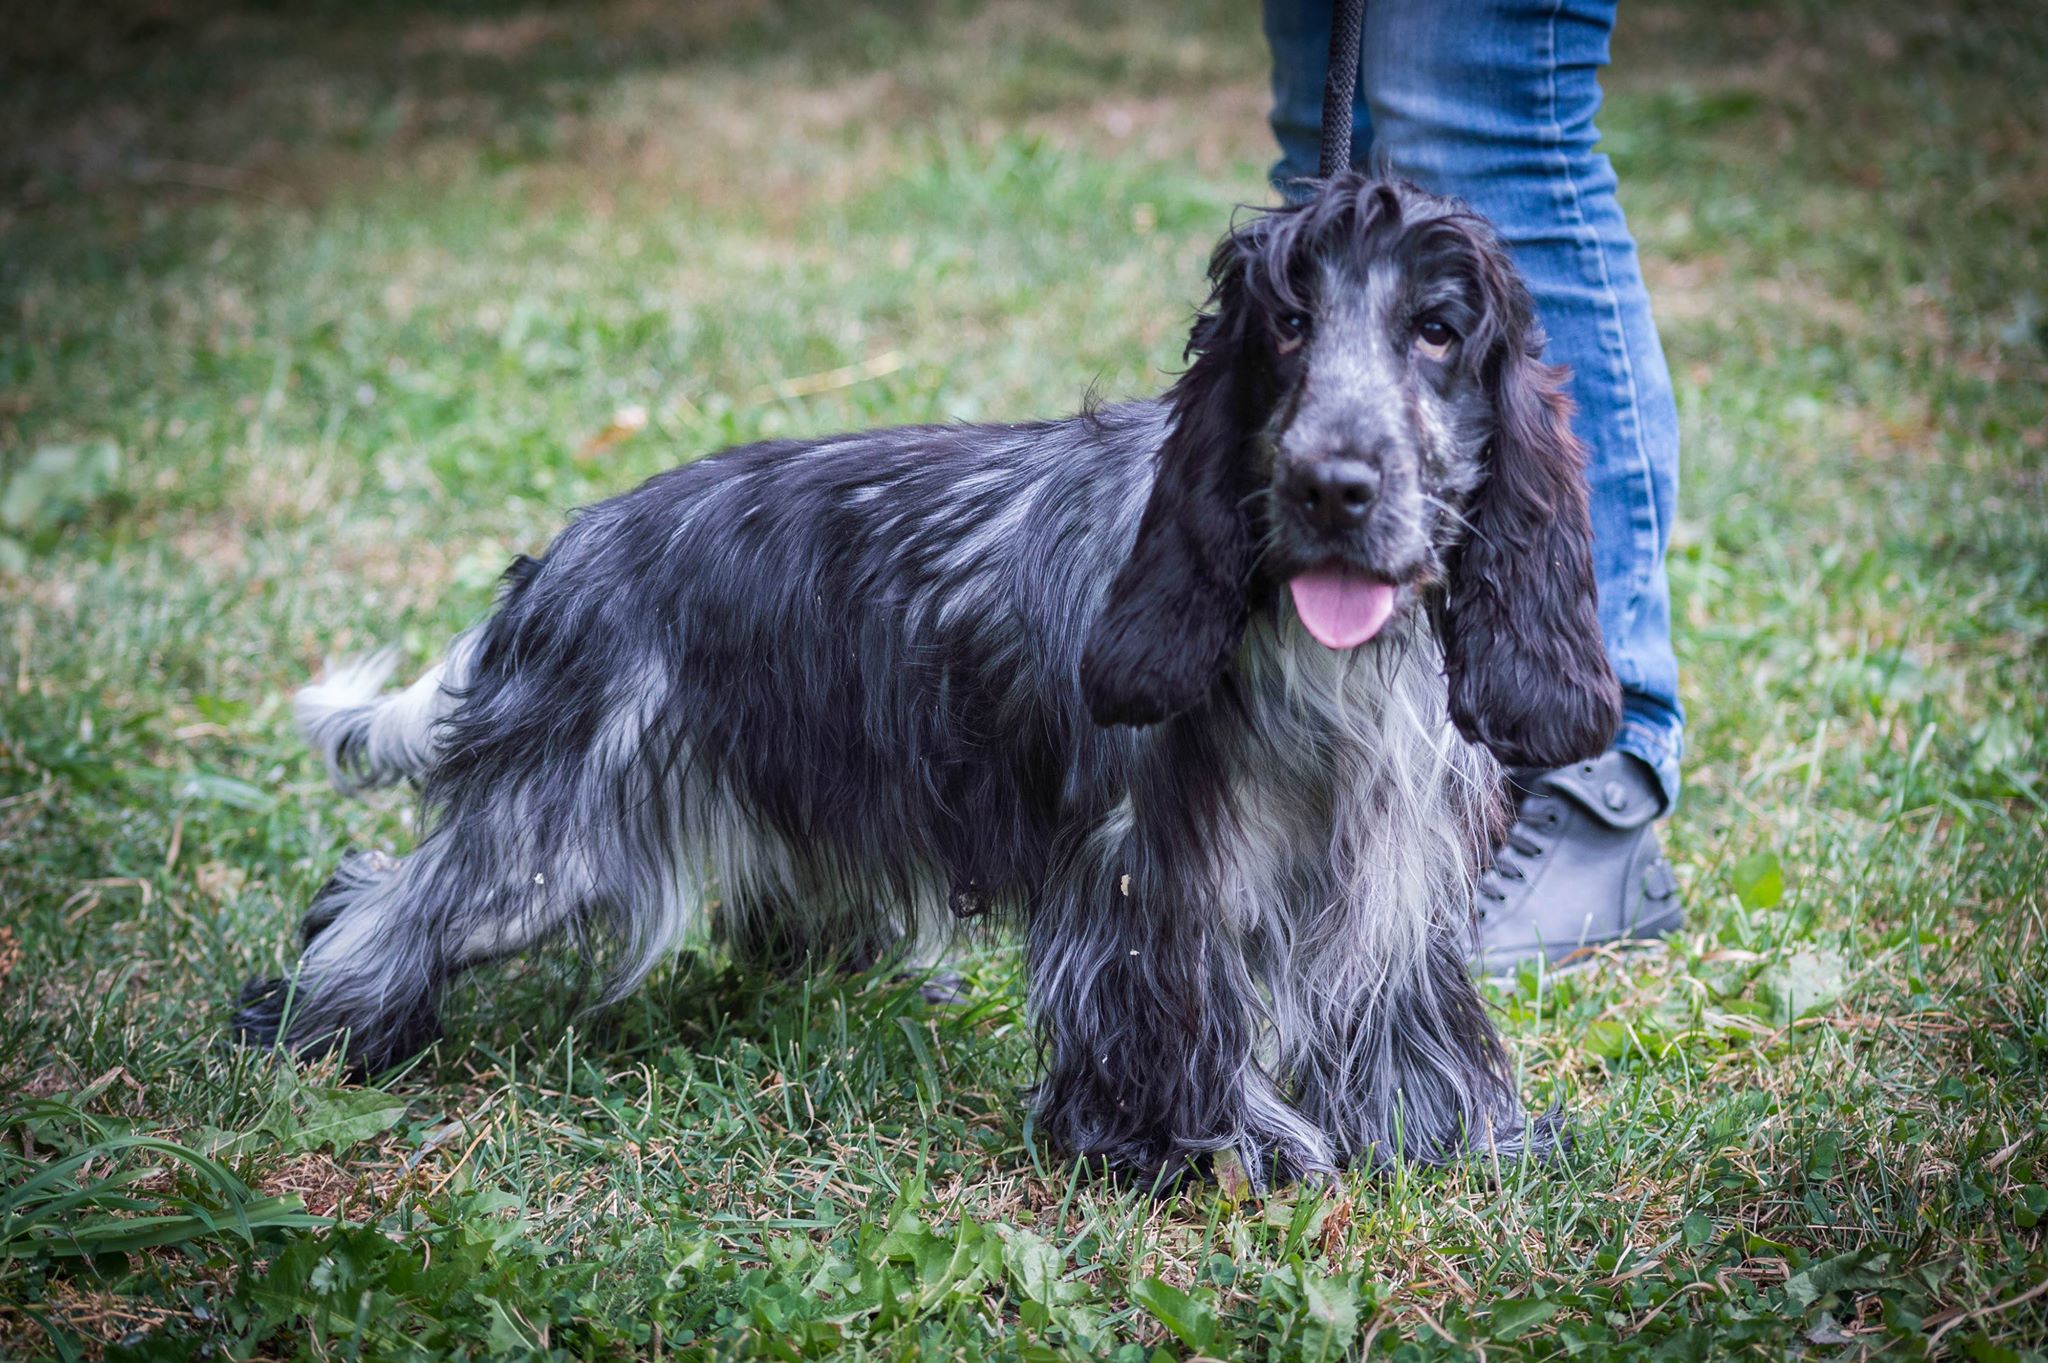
{"x": 1493, "y": 101}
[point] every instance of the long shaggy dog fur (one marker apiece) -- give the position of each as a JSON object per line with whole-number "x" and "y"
{"x": 854, "y": 689}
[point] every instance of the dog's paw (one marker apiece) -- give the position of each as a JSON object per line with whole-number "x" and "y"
{"x": 1542, "y": 1137}
{"x": 1272, "y": 1160}
{"x": 269, "y": 1016}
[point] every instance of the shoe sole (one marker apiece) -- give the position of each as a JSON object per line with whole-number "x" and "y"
{"x": 1646, "y": 934}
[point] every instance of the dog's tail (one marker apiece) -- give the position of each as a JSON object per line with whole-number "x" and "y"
{"x": 371, "y": 740}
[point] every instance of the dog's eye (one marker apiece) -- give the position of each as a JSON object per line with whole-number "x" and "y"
{"x": 1434, "y": 339}
{"x": 1293, "y": 332}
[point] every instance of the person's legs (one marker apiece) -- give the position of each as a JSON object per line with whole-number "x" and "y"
{"x": 1493, "y": 102}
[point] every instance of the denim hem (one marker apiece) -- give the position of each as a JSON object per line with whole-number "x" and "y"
{"x": 1661, "y": 747}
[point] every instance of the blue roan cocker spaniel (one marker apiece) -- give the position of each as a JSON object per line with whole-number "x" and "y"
{"x": 1209, "y": 695}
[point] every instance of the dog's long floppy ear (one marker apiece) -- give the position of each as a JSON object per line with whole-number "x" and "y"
{"x": 1176, "y": 609}
{"x": 1528, "y": 670}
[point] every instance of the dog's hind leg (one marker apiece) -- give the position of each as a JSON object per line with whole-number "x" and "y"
{"x": 384, "y": 937}
{"x": 370, "y": 979}
{"x": 340, "y": 890}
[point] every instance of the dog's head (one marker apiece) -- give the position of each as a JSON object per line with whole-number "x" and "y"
{"x": 1367, "y": 423}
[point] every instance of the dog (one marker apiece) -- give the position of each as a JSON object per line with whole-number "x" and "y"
{"x": 1212, "y": 695}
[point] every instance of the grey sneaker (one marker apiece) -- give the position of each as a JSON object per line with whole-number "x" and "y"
{"x": 1580, "y": 868}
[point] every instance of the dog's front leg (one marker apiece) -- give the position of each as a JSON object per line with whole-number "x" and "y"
{"x": 1408, "y": 1066}
{"x": 1147, "y": 1019}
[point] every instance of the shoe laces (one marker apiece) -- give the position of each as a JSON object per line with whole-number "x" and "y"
{"x": 1525, "y": 843}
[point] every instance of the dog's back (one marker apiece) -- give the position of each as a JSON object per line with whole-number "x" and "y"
{"x": 834, "y": 678}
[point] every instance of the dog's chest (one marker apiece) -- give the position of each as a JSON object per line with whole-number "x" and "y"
{"x": 1351, "y": 784}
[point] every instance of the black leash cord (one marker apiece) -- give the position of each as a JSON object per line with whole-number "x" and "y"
{"x": 1346, "y": 23}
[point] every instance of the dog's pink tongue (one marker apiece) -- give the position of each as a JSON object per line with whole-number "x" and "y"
{"x": 1341, "y": 609}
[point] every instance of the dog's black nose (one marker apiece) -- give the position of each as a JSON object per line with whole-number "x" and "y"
{"x": 1332, "y": 494}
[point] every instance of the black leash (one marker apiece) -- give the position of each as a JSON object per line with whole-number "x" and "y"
{"x": 1346, "y": 23}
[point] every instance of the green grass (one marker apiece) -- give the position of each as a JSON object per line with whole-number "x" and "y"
{"x": 309, "y": 324}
